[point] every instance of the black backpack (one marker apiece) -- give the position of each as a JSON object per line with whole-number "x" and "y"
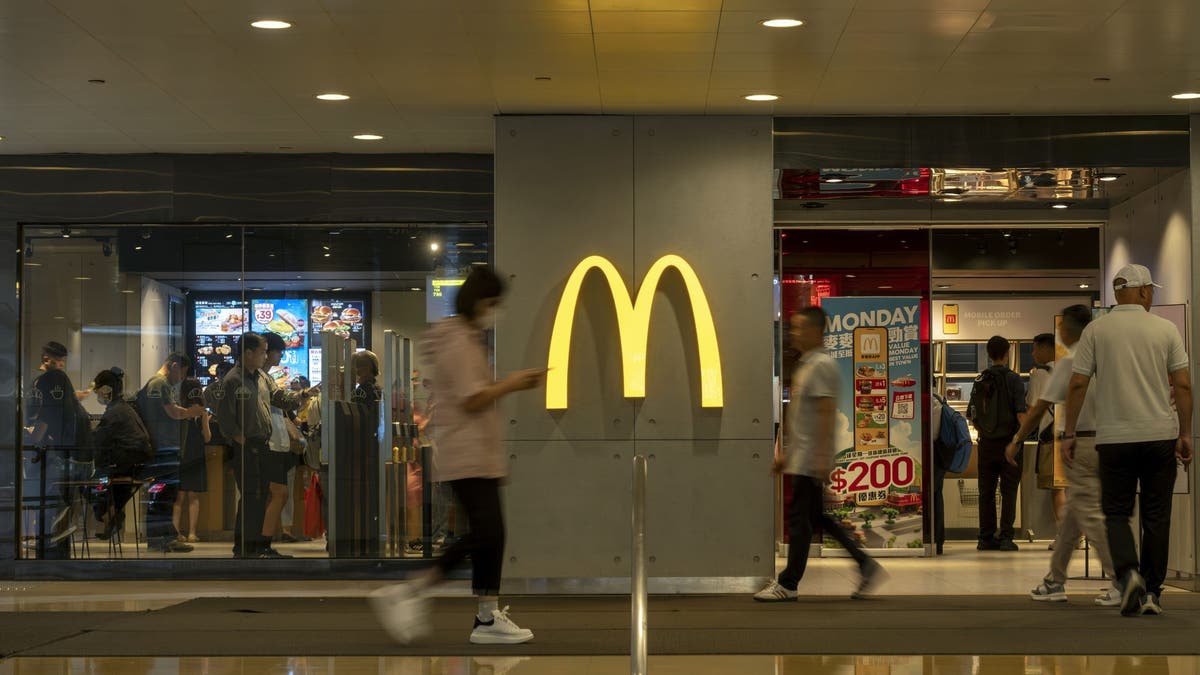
{"x": 991, "y": 407}
{"x": 135, "y": 402}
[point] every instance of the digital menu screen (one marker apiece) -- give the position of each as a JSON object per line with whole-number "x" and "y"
{"x": 218, "y": 325}
{"x": 440, "y": 293}
{"x": 286, "y": 318}
{"x": 342, "y": 316}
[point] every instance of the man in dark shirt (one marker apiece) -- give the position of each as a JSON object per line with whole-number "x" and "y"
{"x": 164, "y": 417}
{"x": 997, "y": 410}
{"x": 54, "y": 414}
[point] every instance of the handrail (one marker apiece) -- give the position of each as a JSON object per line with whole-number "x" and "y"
{"x": 639, "y": 599}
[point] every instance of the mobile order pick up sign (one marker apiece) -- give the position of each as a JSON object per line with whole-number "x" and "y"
{"x": 875, "y": 486}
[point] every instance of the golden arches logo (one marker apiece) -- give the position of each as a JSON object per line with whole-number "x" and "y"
{"x": 633, "y": 323}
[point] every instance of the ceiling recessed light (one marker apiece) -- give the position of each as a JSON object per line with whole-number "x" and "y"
{"x": 83, "y": 278}
{"x": 256, "y": 289}
{"x": 326, "y": 255}
{"x": 1060, "y": 205}
{"x": 943, "y": 286}
{"x": 33, "y": 264}
{"x": 1108, "y": 177}
{"x": 885, "y": 288}
{"x": 781, "y": 23}
{"x": 762, "y": 97}
{"x": 434, "y": 246}
{"x": 835, "y": 180}
{"x": 60, "y": 318}
{"x": 333, "y": 97}
{"x": 335, "y": 290}
{"x": 127, "y": 292}
{"x": 138, "y": 247}
{"x": 271, "y": 24}
{"x": 1186, "y": 96}
{"x": 465, "y": 244}
{"x": 1085, "y": 285}
{"x": 368, "y": 137}
{"x": 851, "y": 276}
{"x": 229, "y": 236}
{"x": 414, "y": 288}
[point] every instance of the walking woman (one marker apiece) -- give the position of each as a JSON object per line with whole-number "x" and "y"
{"x": 470, "y": 457}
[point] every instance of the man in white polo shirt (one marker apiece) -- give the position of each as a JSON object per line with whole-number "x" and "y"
{"x": 1133, "y": 355}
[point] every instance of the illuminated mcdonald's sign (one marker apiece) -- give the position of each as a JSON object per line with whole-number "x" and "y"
{"x": 633, "y": 323}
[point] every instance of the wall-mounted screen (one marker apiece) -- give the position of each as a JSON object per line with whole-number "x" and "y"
{"x": 440, "y": 293}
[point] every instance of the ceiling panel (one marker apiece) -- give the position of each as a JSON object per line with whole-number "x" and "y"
{"x": 656, "y": 22}
{"x": 608, "y": 43}
{"x": 914, "y": 24}
{"x": 429, "y": 75}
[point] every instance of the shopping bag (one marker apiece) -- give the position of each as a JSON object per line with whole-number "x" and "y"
{"x": 314, "y": 525}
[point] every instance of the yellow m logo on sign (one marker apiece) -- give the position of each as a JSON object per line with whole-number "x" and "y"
{"x": 633, "y": 322}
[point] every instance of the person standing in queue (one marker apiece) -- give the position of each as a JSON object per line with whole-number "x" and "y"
{"x": 1044, "y": 353}
{"x": 1136, "y": 359}
{"x": 470, "y": 456}
{"x": 244, "y": 403}
{"x": 997, "y": 409}
{"x": 193, "y": 466}
{"x": 1082, "y": 515}
{"x": 276, "y": 464}
{"x": 807, "y": 459}
{"x": 158, "y": 402}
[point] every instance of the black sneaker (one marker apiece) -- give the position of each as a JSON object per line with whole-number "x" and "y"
{"x": 988, "y": 545}
{"x": 1008, "y": 545}
{"x": 1133, "y": 591}
{"x": 272, "y": 554}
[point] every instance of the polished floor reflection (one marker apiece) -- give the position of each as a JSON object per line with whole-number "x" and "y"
{"x": 614, "y": 665}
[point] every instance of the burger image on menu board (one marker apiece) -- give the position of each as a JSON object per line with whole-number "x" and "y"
{"x": 322, "y": 313}
{"x": 352, "y": 315}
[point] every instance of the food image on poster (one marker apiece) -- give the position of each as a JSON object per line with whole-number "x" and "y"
{"x": 218, "y": 325}
{"x": 870, "y": 381}
{"x": 286, "y": 318}
{"x": 345, "y": 317}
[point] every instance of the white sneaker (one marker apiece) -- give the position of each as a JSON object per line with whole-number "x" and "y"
{"x": 775, "y": 593}
{"x": 1110, "y": 598}
{"x": 499, "y": 631}
{"x": 1151, "y": 606}
{"x": 403, "y": 612}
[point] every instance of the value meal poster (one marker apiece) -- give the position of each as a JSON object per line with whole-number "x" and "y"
{"x": 289, "y": 320}
{"x": 875, "y": 486}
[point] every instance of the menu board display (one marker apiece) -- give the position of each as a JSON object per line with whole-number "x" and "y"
{"x": 287, "y": 319}
{"x": 345, "y": 317}
{"x": 218, "y": 324}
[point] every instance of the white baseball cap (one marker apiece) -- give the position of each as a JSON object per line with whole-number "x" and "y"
{"x": 1134, "y": 276}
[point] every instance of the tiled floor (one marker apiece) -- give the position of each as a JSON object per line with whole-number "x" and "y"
{"x": 615, "y": 665}
{"x": 963, "y": 571}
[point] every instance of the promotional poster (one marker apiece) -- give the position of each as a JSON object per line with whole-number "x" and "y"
{"x": 875, "y": 486}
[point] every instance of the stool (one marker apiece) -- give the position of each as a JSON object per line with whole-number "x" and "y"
{"x": 116, "y": 542}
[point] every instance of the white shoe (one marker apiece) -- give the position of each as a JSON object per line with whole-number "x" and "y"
{"x": 1110, "y": 598}
{"x": 403, "y": 612}
{"x": 775, "y": 593}
{"x": 499, "y": 631}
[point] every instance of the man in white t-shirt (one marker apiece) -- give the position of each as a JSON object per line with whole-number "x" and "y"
{"x": 810, "y": 425}
{"x": 1133, "y": 355}
{"x": 1082, "y": 514}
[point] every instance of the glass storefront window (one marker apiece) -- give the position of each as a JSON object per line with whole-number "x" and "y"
{"x": 148, "y": 430}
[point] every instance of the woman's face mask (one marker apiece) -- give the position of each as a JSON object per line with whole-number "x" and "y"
{"x": 104, "y": 395}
